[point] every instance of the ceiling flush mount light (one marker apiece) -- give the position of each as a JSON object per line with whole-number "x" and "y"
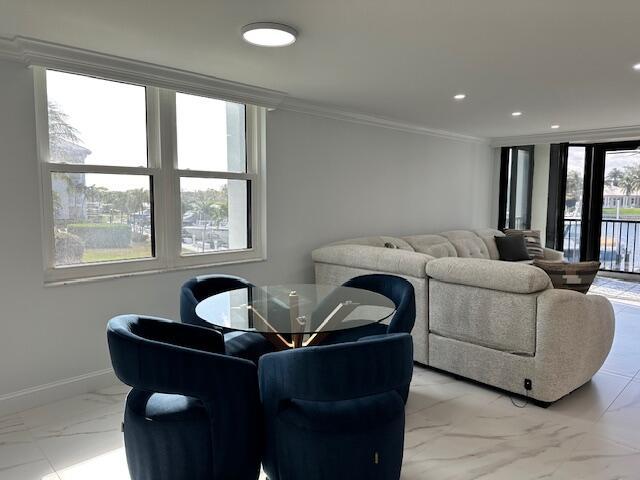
{"x": 269, "y": 34}
{"x": 460, "y": 96}
{"x": 516, "y": 114}
{"x": 555, "y": 127}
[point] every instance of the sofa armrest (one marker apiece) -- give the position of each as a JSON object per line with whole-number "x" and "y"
{"x": 553, "y": 255}
{"x": 574, "y": 336}
{"x": 489, "y": 274}
{"x": 378, "y": 259}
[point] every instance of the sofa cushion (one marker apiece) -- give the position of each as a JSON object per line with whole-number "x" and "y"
{"x": 488, "y": 236}
{"x": 381, "y": 241}
{"x": 499, "y": 320}
{"x": 434, "y": 245}
{"x": 489, "y": 274}
{"x": 467, "y": 244}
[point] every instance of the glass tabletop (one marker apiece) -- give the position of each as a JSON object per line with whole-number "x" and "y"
{"x": 295, "y": 309}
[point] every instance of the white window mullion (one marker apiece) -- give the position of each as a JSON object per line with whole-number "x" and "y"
{"x": 256, "y": 165}
{"x": 171, "y": 185}
{"x": 42, "y": 138}
{"x": 208, "y": 174}
{"x": 76, "y": 168}
{"x": 154, "y": 156}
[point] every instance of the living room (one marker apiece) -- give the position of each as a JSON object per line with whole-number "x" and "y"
{"x": 352, "y": 163}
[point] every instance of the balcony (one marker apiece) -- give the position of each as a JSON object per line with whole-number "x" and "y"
{"x": 618, "y": 244}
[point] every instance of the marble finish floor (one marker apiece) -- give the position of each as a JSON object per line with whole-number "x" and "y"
{"x": 455, "y": 429}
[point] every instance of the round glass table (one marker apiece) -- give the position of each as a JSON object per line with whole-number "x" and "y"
{"x": 296, "y": 315}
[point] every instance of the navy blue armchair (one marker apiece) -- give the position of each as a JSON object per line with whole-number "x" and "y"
{"x": 248, "y": 345}
{"x": 193, "y": 413}
{"x": 397, "y": 289}
{"x": 336, "y": 412}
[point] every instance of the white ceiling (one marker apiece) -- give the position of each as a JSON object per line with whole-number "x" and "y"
{"x": 559, "y": 61}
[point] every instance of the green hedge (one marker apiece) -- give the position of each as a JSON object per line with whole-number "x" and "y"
{"x": 69, "y": 248}
{"x": 102, "y": 235}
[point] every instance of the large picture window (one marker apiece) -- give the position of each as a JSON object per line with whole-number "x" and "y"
{"x": 137, "y": 178}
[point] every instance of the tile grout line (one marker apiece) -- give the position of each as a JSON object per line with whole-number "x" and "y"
{"x": 38, "y": 447}
{"x": 614, "y": 400}
{"x": 608, "y": 437}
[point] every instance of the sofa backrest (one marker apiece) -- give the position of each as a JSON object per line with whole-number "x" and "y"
{"x": 478, "y": 243}
{"x": 488, "y": 237}
{"x": 467, "y": 244}
{"x": 435, "y": 245}
{"x": 378, "y": 241}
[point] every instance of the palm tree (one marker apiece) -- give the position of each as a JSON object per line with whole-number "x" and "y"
{"x": 630, "y": 181}
{"x": 614, "y": 177}
{"x": 120, "y": 204}
{"x": 61, "y": 131}
{"x": 574, "y": 187}
{"x": 135, "y": 200}
{"x": 203, "y": 204}
{"x": 220, "y": 213}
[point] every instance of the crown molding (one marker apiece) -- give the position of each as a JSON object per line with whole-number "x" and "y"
{"x": 34, "y": 52}
{"x": 336, "y": 113}
{"x": 611, "y": 134}
{"x": 9, "y": 50}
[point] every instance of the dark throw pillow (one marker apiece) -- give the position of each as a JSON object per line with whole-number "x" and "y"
{"x": 532, "y": 240}
{"x": 512, "y": 248}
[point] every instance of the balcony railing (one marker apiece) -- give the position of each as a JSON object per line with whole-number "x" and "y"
{"x": 619, "y": 241}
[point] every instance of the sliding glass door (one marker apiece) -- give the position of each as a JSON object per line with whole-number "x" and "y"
{"x": 573, "y": 202}
{"x": 619, "y": 206}
{"x": 594, "y": 199}
{"x": 516, "y": 184}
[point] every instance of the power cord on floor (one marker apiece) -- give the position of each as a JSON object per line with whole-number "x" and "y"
{"x": 526, "y": 401}
{"x": 528, "y": 385}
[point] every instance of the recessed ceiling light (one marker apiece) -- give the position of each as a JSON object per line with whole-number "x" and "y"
{"x": 516, "y": 114}
{"x": 460, "y": 96}
{"x": 555, "y": 127}
{"x": 269, "y": 34}
{"x": 637, "y": 67}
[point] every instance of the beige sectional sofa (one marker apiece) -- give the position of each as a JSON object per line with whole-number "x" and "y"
{"x": 496, "y": 322}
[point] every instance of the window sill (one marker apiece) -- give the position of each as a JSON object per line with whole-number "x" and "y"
{"x": 114, "y": 276}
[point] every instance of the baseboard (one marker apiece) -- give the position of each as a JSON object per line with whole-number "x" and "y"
{"x": 54, "y": 391}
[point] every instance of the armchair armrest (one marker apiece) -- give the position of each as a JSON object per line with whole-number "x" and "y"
{"x": 176, "y": 359}
{"x": 489, "y": 274}
{"x": 337, "y": 372}
{"x": 378, "y": 259}
{"x": 553, "y": 255}
{"x": 574, "y": 336}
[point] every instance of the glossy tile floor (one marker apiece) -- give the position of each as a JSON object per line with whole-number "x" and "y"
{"x": 455, "y": 429}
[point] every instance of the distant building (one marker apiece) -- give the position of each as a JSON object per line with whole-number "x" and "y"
{"x": 614, "y": 196}
{"x": 68, "y": 189}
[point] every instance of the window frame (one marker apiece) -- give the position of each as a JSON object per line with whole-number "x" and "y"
{"x": 162, "y": 168}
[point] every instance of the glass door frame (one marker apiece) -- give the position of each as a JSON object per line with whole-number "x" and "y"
{"x": 592, "y": 198}
{"x": 594, "y": 195}
{"x": 508, "y": 186}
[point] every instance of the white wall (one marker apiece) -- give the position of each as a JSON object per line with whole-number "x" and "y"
{"x": 540, "y": 191}
{"x": 327, "y": 180}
